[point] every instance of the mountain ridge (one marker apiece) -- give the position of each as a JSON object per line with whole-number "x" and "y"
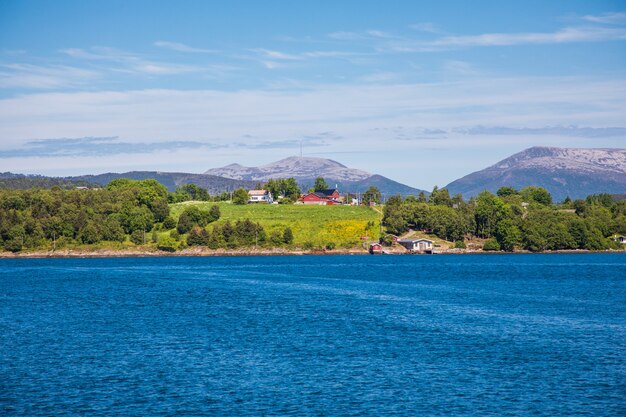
{"x": 565, "y": 172}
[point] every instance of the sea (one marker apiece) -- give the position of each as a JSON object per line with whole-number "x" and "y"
{"x": 424, "y": 335}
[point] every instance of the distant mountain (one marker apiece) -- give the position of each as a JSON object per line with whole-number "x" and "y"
{"x": 25, "y": 182}
{"x": 562, "y": 171}
{"x": 306, "y": 169}
{"x": 171, "y": 180}
{"x": 294, "y": 166}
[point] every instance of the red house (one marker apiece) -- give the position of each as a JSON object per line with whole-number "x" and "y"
{"x": 322, "y": 197}
{"x": 376, "y": 248}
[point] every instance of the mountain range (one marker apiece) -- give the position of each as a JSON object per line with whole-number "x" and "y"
{"x": 564, "y": 172}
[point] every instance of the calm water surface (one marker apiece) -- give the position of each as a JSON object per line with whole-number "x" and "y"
{"x": 473, "y": 335}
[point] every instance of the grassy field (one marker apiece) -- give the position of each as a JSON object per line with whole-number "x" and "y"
{"x": 312, "y": 226}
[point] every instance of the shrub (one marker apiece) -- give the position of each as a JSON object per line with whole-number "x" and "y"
{"x": 491, "y": 245}
{"x": 459, "y": 244}
{"x": 169, "y": 223}
{"x": 167, "y": 244}
{"x": 288, "y": 236}
{"x": 137, "y": 237}
{"x": 276, "y": 238}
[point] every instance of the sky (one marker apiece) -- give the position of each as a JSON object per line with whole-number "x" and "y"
{"x": 421, "y": 92}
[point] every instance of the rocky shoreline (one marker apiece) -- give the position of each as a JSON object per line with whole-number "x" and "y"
{"x": 144, "y": 253}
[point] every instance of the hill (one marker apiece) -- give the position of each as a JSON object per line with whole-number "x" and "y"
{"x": 562, "y": 171}
{"x": 24, "y": 182}
{"x": 306, "y": 169}
{"x": 171, "y": 180}
{"x": 294, "y": 166}
{"x": 313, "y": 226}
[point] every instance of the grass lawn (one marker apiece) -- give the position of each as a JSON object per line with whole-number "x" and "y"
{"x": 312, "y": 226}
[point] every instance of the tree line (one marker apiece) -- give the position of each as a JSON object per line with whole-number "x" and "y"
{"x": 124, "y": 211}
{"x": 511, "y": 219}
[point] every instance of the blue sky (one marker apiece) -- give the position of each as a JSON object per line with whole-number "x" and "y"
{"x": 423, "y": 92}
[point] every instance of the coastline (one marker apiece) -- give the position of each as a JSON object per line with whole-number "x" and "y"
{"x": 201, "y": 252}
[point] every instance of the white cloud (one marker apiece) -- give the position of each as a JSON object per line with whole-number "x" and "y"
{"x": 40, "y": 77}
{"x": 269, "y": 54}
{"x": 131, "y": 63}
{"x": 426, "y": 27}
{"x": 607, "y": 18}
{"x": 566, "y": 35}
{"x": 181, "y": 47}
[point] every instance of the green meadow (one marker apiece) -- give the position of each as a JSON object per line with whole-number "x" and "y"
{"x": 312, "y": 226}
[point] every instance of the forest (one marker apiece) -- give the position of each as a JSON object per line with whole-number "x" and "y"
{"x": 511, "y": 220}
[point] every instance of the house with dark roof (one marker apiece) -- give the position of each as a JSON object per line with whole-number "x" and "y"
{"x": 322, "y": 197}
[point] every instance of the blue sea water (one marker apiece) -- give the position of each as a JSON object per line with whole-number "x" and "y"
{"x": 469, "y": 335}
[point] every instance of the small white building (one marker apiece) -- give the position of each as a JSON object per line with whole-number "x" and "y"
{"x": 620, "y": 239}
{"x": 260, "y": 196}
{"x": 417, "y": 245}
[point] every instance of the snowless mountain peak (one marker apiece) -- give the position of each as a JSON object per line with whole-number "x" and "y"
{"x": 565, "y": 172}
{"x": 293, "y": 166}
{"x": 576, "y": 159}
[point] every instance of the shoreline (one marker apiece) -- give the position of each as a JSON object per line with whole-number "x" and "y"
{"x": 197, "y": 252}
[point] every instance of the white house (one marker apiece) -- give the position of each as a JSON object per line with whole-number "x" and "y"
{"x": 260, "y": 196}
{"x": 620, "y": 239}
{"x": 417, "y": 245}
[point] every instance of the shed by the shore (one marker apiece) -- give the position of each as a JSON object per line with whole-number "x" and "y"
{"x": 417, "y": 245}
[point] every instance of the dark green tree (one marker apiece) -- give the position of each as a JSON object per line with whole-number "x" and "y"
{"x": 198, "y": 236}
{"x": 288, "y": 236}
{"x": 320, "y": 184}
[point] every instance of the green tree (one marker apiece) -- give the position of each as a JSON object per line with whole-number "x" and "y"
{"x": 508, "y": 235}
{"x": 488, "y": 212}
{"x": 440, "y": 197}
{"x": 240, "y": 196}
{"x": 372, "y": 195}
{"x": 320, "y": 184}
{"x": 198, "y": 236}
{"x": 112, "y": 230}
{"x": 193, "y": 215}
{"x": 90, "y": 234}
{"x": 506, "y": 192}
{"x": 214, "y": 213}
{"x": 536, "y": 194}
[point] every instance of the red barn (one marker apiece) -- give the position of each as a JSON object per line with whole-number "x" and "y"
{"x": 322, "y": 197}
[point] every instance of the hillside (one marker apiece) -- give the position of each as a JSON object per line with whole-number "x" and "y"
{"x": 25, "y": 182}
{"x": 312, "y": 226}
{"x": 171, "y": 180}
{"x": 562, "y": 171}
